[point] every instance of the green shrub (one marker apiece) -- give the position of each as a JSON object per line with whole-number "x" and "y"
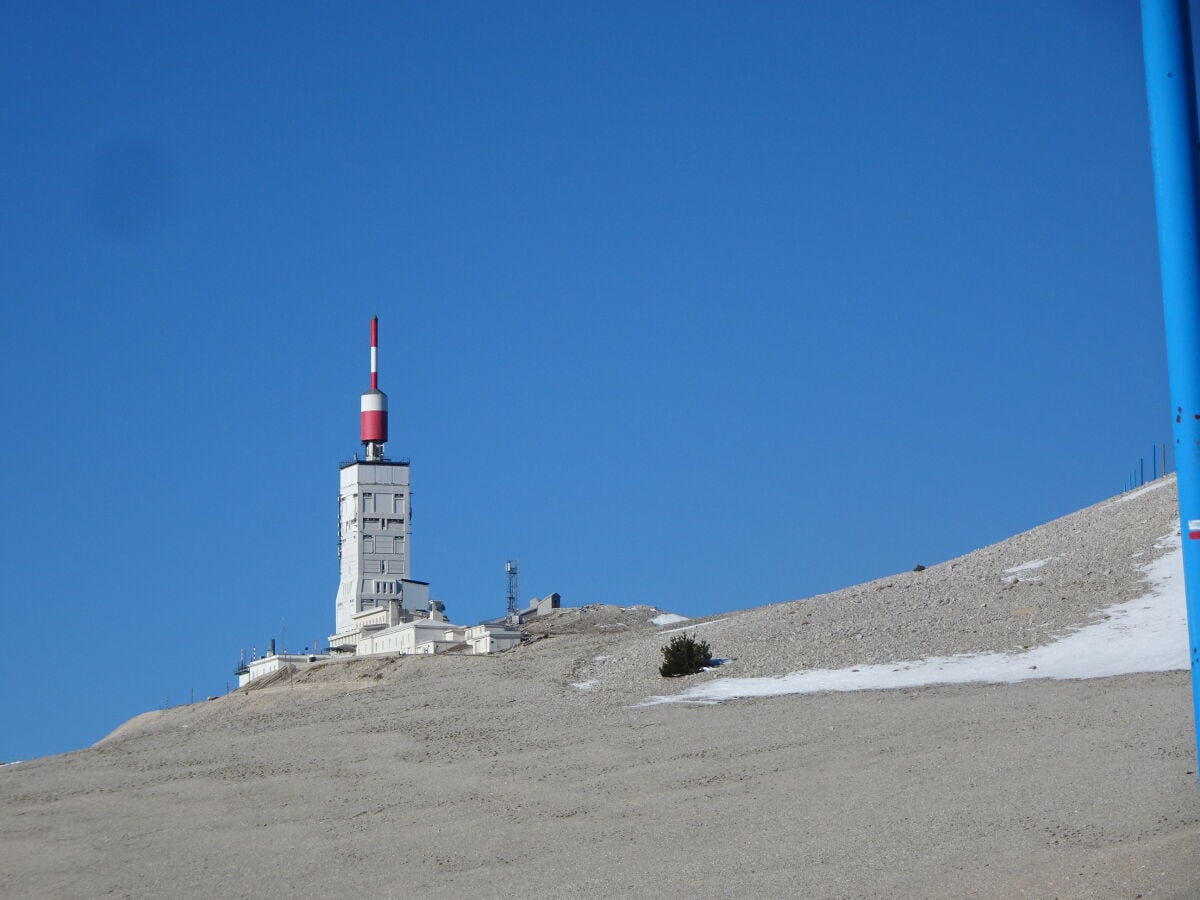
{"x": 684, "y": 655}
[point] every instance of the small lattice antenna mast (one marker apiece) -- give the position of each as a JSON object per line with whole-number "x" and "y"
{"x": 513, "y": 570}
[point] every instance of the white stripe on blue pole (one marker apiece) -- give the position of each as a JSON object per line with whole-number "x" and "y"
{"x": 1171, "y": 92}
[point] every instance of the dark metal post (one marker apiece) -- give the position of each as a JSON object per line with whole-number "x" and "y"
{"x": 1170, "y": 90}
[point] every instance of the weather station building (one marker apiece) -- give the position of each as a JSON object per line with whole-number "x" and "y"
{"x": 374, "y": 519}
{"x": 379, "y": 608}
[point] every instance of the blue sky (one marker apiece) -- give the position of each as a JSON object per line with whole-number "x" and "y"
{"x": 696, "y": 305}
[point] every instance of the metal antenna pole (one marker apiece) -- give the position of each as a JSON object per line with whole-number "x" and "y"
{"x": 512, "y": 569}
{"x": 1171, "y": 92}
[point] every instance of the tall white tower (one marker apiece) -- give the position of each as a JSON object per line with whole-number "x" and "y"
{"x": 374, "y": 514}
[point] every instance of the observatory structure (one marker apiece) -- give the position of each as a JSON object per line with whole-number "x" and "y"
{"x": 379, "y": 608}
{"x": 375, "y": 518}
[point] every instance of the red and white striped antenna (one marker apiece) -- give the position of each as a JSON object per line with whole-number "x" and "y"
{"x": 374, "y": 353}
{"x": 374, "y": 421}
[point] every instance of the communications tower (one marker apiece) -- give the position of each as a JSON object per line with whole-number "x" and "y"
{"x": 512, "y": 568}
{"x": 374, "y": 514}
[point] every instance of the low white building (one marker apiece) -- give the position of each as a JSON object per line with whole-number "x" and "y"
{"x": 410, "y": 603}
{"x": 417, "y": 636}
{"x": 540, "y": 606}
{"x": 273, "y": 662}
{"x": 412, "y": 623}
{"x": 491, "y": 638}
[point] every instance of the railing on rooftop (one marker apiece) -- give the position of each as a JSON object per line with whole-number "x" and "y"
{"x": 387, "y": 461}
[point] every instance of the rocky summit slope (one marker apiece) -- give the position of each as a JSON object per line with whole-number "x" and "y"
{"x": 537, "y": 773}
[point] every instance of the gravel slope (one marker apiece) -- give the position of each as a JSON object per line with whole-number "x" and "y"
{"x": 1089, "y": 560}
{"x": 499, "y": 776}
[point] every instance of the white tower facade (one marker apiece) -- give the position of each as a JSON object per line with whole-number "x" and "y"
{"x": 374, "y": 537}
{"x": 374, "y": 518}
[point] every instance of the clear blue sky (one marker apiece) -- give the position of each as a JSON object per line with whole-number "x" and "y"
{"x": 697, "y": 305}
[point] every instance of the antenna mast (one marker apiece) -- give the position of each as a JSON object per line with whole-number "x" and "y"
{"x": 513, "y": 570}
{"x": 374, "y": 405}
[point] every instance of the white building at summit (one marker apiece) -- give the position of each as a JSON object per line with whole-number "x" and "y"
{"x": 379, "y": 608}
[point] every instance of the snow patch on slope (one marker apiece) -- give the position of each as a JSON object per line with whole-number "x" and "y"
{"x": 690, "y": 627}
{"x": 1147, "y": 634}
{"x": 1029, "y": 566}
{"x": 668, "y": 619}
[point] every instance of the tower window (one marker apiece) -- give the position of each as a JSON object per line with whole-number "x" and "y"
{"x": 368, "y": 503}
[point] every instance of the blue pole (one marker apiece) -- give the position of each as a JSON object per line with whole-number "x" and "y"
{"x": 1171, "y": 93}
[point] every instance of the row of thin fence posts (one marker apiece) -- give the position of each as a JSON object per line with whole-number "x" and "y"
{"x": 1137, "y": 477}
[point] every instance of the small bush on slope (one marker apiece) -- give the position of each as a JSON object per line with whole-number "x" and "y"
{"x": 684, "y": 655}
